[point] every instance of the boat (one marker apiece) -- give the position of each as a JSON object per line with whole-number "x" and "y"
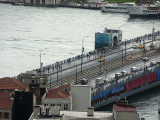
{"x": 144, "y": 11}
{"x": 117, "y": 8}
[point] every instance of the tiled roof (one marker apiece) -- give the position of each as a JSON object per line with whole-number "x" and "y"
{"x": 5, "y": 100}
{"x": 124, "y": 108}
{"x": 11, "y": 84}
{"x": 57, "y": 93}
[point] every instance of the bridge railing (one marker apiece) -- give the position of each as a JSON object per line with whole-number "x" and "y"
{"x": 124, "y": 95}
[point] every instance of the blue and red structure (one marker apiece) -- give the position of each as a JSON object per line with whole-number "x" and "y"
{"x": 125, "y": 88}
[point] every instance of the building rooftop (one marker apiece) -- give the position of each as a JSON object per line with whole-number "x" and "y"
{"x": 58, "y": 93}
{"x": 124, "y": 108}
{"x": 83, "y": 115}
{"x": 5, "y": 99}
{"x": 11, "y": 84}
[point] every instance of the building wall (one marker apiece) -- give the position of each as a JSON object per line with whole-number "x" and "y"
{"x": 125, "y": 115}
{"x": 7, "y": 112}
{"x": 4, "y": 0}
{"x": 102, "y": 40}
{"x": 81, "y": 97}
{"x": 49, "y": 2}
{"x": 13, "y": 1}
{"x": 27, "y": 1}
{"x": 120, "y": 35}
{"x": 63, "y": 103}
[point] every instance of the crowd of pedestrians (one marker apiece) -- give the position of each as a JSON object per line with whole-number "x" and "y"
{"x": 88, "y": 56}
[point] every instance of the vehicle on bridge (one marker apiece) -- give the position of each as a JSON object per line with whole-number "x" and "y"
{"x": 145, "y": 58}
{"x": 152, "y": 63}
{"x": 84, "y": 81}
{"x": 135, "y": 47}
{"x": 118, "y": 75}
{"x": 99, "y": 81}
{"x": 101, "y": 60}
{"x": 141, "y": 46}
{"x": 124, "y": 73}
{"x": 133, "y": 69}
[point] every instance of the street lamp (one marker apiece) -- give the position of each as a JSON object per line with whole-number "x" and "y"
{"x": 144, "y": 53}
{"x": 61, "y": 74}
{"x": 125, "y": 47}
{"x": 76, "y": 73}
{"x": 82, "y": 52}
{"x": 40, "y": 58}
{"x": 122, "y": 57}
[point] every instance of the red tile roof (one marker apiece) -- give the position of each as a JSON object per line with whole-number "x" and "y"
{"x": 124, "y": 108}
{"x": 57, "y": 93}
{"x": 5, "y": 100}
{"x": 11, "y": 84}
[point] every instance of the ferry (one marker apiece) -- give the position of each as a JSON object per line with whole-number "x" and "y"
{"x": 144, "y": 11}
{"x": 117, "y": 8}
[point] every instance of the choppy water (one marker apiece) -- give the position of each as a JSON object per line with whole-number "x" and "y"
{"x": 26, "y": 30}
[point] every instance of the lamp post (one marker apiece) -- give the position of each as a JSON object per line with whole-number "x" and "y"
{"x": 76, "y": 73}
{"x": 57, "y": 65}
{"x": 125, "y": 47}
{"x": 61, "y": 74}
{"x": 40, "y": 59}
{"x": 122, "y": 57}
{"x": 82, "y": 52}
{"x": 144, "y": 53}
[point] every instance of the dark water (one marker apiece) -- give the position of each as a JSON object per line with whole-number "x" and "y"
{"x": 24, "y": 31}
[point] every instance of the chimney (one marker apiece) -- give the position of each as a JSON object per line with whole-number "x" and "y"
{"x": 90, "y": 111}
{"x": 36, "y": 109}
{"x": 122, "y": 101}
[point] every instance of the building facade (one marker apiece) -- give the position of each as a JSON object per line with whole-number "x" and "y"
{"x": 76, "y": 97}
{"x": 58, "y": 97}
{"x": 43, "y": 2}
{"x": 7, "y": 88}
{"x": 125, "y": 112}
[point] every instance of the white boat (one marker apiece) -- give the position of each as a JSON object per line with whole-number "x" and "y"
{"x": 117, "y": 8}
{"x": 145, "y": 11}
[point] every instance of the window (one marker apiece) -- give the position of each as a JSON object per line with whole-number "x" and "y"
{"x": 45, "y": 104}
{"x": 65, "y": 106}
{"x": 6, "y": 115}
{"x": 59, "y": 105}
{"x": 32, "y": 81}
{"x": 53, "y": 105}
{"x": 0, "y": 115}
{"x": 66, "y": 90}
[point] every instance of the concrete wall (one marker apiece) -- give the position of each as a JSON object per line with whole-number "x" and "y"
{"x": 6, "y": 110}
{"x": 125, "y": 115}
{"x": 81, "y": 97}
